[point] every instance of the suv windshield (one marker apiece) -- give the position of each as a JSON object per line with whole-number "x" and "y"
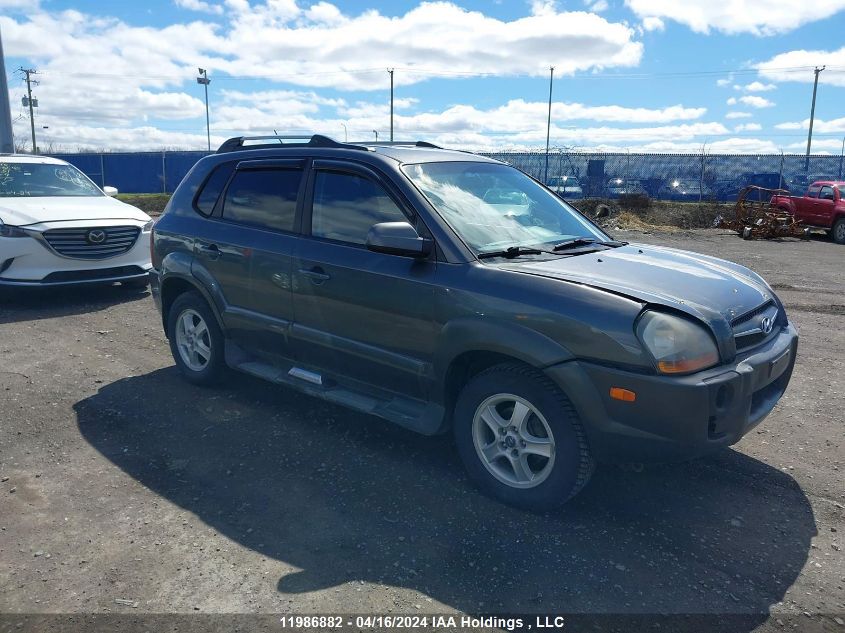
{"x": 31, "y": 180}
{"x": 493, "y": 206}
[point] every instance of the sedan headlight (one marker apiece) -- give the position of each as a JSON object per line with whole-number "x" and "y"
{"x": 148, "y": 226}
{"x": 7, "y": 230}
{"x": 678, "y": 345}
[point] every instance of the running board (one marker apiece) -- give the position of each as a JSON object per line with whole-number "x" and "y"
{"x": 308, "y": 376}
{"x": 416, "y": 415}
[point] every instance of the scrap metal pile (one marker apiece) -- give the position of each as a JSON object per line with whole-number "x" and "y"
{"x": 756, "y": 218}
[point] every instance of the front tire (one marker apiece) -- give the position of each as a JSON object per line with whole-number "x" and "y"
{"x": 196, "y": 341}
{"x": 520, "y": 438}
{"x": 837, "y": 233}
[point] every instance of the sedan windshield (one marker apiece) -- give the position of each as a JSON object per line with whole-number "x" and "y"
{"x": 492, "y": 206}
{"x": 31, "y": 180}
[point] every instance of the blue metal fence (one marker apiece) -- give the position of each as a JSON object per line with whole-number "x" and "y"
{"x": 135, "y": 172}
{"x": 575, "y": 174}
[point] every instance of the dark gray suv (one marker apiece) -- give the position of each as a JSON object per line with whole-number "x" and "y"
{"x": 445, "y": 291}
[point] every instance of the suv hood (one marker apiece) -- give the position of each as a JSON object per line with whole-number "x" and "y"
{"x": 24, "y": 211}
{"x": 708, "y": 288}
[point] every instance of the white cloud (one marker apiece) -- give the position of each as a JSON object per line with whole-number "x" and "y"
{"x": 322, "y": 47}
{"x": 762, "y": 17}
{"x": 738, "y": 115}
{"x": 652, "y": 23}
{"x": 199, "y": 5}
{"x": 598, "y": 6}
{"x": 733, "y": 145}
{"x": 757, "y": 86}
{"x": 751, "y": 100}
{"x": 820, "y": 126}
{"x": 725, "y": 81}
{"x": 16, "y": 5}
{"x": 748, "y": 127}
{"x": 798, "y": 66}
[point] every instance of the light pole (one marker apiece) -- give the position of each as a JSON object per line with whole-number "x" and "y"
{"x": 376, "y": 133}
{"x": 841, "y": 154}
{"x": 7, "y": 139}
{"x": 390, "y": 70}
{"x": 812, "y": 116}
{"x": 549, "y": 123}
{"x": 203, "y": 80}
{"x": 345, "y": 133}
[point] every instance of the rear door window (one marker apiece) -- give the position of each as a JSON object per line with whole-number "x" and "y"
{"x": 264, "y": 198}
{"x": 346, "y": 206}
{"x": 826, "y": 193}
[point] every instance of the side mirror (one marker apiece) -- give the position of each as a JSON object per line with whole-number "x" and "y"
{"x": 110, "y": 191}
{"x": 397, "y": 238}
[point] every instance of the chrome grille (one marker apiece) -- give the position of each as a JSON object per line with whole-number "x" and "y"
{"x": 98, "y": 242}
{"x": 747, "y": 328}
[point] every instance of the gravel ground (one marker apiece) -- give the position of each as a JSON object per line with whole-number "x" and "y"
{"x": 126, "y": 490}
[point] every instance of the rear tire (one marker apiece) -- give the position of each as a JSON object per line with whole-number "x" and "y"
{"x": 196, "y": 341}
{"x": 837, "y": 233}
{"x": 520, "y": 438}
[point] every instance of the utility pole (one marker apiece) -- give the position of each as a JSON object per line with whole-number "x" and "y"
{"x": 376, "y": 133}
{"x": 390, "y": 70}
{"x": 345, "y": 132}
{"x": 812, "y": 116}
{"x": 203, "y": 80}
{"x": 549, "y": 123}
{"x": 841, "y": 155}
{"x": 30, "y": 102}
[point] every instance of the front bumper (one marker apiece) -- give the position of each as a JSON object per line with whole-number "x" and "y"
{"x": 30, "y": 261}
{"x": 678, "y": 417}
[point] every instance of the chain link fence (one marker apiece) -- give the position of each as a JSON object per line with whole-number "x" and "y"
{"x": 682, "y": 177}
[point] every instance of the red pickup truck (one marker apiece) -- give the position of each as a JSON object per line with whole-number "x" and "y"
{"x": 822, "y": 206}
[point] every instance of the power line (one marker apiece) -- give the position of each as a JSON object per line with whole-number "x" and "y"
{"x": 457, "y": 73}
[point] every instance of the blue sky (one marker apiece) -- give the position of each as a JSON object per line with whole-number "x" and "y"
{"x": 644, "y": 75}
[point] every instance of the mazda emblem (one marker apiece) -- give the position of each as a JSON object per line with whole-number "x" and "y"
{"x": 766, "y": 324}
{"x": 96, "y": 236}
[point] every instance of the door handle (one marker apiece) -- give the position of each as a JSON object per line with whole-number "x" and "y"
{"x": 210, "y": 250}
{"x": 316, "y": 274}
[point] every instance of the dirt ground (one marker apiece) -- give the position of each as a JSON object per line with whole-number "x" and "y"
{"x": 125, "y": 490}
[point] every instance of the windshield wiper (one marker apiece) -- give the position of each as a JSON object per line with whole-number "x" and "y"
{"x": 512, "y": 251}
{"x": 585, "y": 241}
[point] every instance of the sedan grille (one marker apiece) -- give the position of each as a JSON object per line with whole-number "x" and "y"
{"x": 92, "y": 243}
{"x": 750, "y": 328}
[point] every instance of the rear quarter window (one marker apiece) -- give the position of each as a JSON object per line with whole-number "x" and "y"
{"x": 210, "y": 190}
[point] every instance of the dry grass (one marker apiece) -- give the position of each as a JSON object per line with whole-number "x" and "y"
{"x": 632, "y": 222}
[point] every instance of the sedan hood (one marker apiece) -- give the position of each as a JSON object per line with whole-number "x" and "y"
{"x": 25, "y": 211}
{"x": 708, "y": 288}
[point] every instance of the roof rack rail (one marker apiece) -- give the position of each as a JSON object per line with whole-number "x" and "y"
{"x": 304, "y": 140}
{"x": 399, "y": 144}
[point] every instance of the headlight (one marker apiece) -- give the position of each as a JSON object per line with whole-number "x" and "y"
{"x": 678, "y": 345}
{"x": 11, "y": 231}
{"x": 148, "y": 226}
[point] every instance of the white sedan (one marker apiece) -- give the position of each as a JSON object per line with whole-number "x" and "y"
{"x": 57, "y": 227}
